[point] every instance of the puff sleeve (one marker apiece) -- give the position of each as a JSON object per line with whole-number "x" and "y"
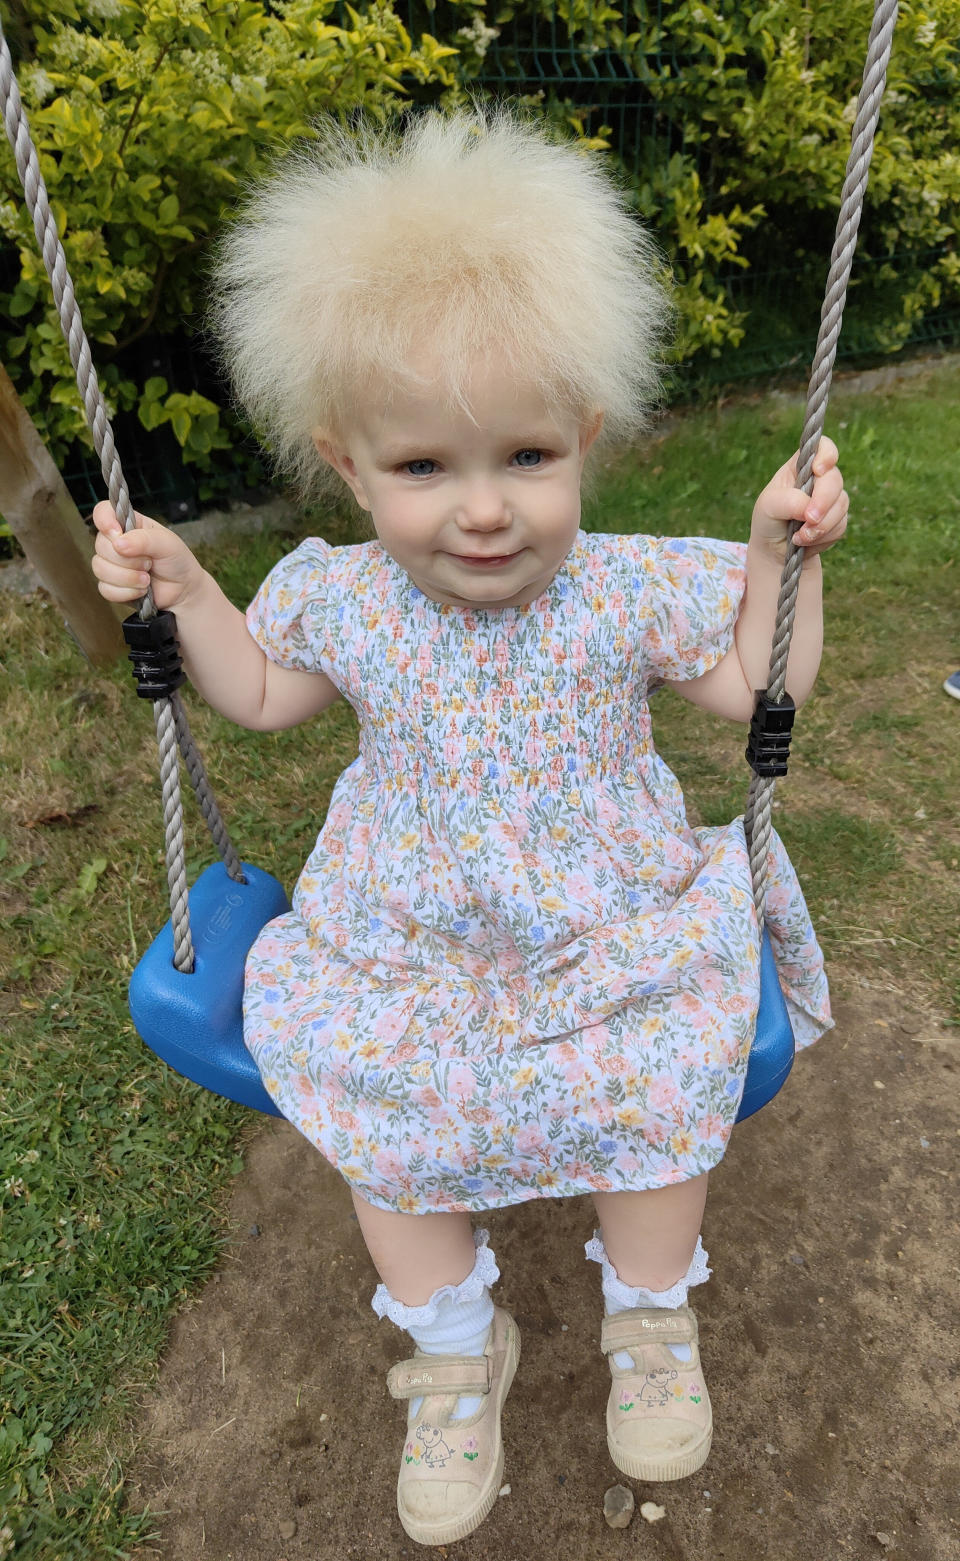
{"x": 694, "y": 587}
{"x": 288, "y": 617}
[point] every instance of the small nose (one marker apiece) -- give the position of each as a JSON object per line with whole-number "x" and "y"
{"x": 482, "y": 507}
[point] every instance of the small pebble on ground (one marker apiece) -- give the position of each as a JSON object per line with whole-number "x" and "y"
{"x": 618, "y": 1506}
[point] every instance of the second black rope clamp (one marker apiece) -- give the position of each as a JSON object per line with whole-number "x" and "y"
{"x": 155, "y": 654}
{"x": 768, "y": 747}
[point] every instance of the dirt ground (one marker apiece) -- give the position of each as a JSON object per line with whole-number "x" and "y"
{"x": 829, "y": 1337}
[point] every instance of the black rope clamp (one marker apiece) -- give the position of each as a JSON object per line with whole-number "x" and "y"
{"x": 155, "y": 654}
{"x": 769, "y": 746}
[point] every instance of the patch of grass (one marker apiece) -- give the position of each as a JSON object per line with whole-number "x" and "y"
{"x": 846, "y": 855}
{"x": 887, "y": 724}
{"x": 114, "y": 1171}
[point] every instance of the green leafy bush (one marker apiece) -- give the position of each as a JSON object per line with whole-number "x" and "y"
{"x": 150, "y": 116}
{"x": 733, "y": 124}
{"x": 736, "y": 126}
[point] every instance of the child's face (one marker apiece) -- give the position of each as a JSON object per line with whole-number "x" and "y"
{"x": 442, "y": 490}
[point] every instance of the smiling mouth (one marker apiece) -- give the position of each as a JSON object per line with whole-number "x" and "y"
{"x": 475, "y": 558}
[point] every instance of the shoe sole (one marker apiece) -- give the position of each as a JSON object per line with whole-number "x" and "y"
{"x": 676, "y": 1468}
{"x": 459, "y": 1528}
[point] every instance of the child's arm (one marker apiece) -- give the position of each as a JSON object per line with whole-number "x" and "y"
{"x": 222, "y": 659}
{"x": 728, "y": 689}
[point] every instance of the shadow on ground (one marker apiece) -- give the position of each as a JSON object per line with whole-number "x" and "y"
{"x": 828, "y": 1333}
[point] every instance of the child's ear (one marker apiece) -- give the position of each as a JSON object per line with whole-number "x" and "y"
{"x": 588, "y": 433}
{"x": 338, "y": 458}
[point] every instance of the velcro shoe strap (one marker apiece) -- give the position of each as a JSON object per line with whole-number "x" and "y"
{"x": 439, "y": 1374}
{"x": 647, "y": 1325}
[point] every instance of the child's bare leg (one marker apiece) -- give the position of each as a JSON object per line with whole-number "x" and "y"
{"x": 418, "y": 1254}
{"x": 650, "y": 1237}
{"x": 415, "y": 1254}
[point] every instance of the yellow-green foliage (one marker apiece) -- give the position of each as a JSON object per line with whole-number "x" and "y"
{"x": 750, "y": 107}
{"x": 149, "y": 116}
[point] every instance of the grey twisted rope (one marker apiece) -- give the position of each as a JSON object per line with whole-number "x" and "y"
{"x": 170, "y": 731}
{"x": 757, "y": 816}
{"x": 201, "y": 787}
{"x": 183, "y": 953}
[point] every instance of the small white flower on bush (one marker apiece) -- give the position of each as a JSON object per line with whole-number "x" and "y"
{"x": 206, "y": 67}
{"x": 37, "y": 86}
{"x": 70, "y": 48}
{"x": 926, "y": 33}
{"x": 479, "y": 35}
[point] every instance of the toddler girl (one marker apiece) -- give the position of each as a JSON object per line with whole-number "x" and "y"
{"x": 512, "y": 969}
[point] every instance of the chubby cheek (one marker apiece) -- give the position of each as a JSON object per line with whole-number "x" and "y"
{"x": 405, "y": 521}
{"x": 556, "y": 510}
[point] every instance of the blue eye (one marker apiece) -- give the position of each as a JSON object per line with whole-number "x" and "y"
{"x": 422, "y": 461}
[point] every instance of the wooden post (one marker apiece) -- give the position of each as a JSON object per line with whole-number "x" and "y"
{"x": 36, "y": 504}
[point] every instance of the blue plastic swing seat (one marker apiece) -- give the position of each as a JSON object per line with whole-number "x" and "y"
{"x": 773, "y": 1047}
{"x": 194, "y": 1021}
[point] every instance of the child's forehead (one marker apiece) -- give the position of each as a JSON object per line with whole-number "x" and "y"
{"x": 496, "y": 405}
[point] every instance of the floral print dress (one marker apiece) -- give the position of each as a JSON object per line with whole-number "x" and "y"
{"x": 512, "y": 969}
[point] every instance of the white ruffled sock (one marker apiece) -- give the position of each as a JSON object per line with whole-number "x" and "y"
{"x": 618, "y": 1297}
{"x": 454, "y": 1321}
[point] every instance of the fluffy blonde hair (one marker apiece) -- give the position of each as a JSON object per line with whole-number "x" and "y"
{"x": 459, "y": 233}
